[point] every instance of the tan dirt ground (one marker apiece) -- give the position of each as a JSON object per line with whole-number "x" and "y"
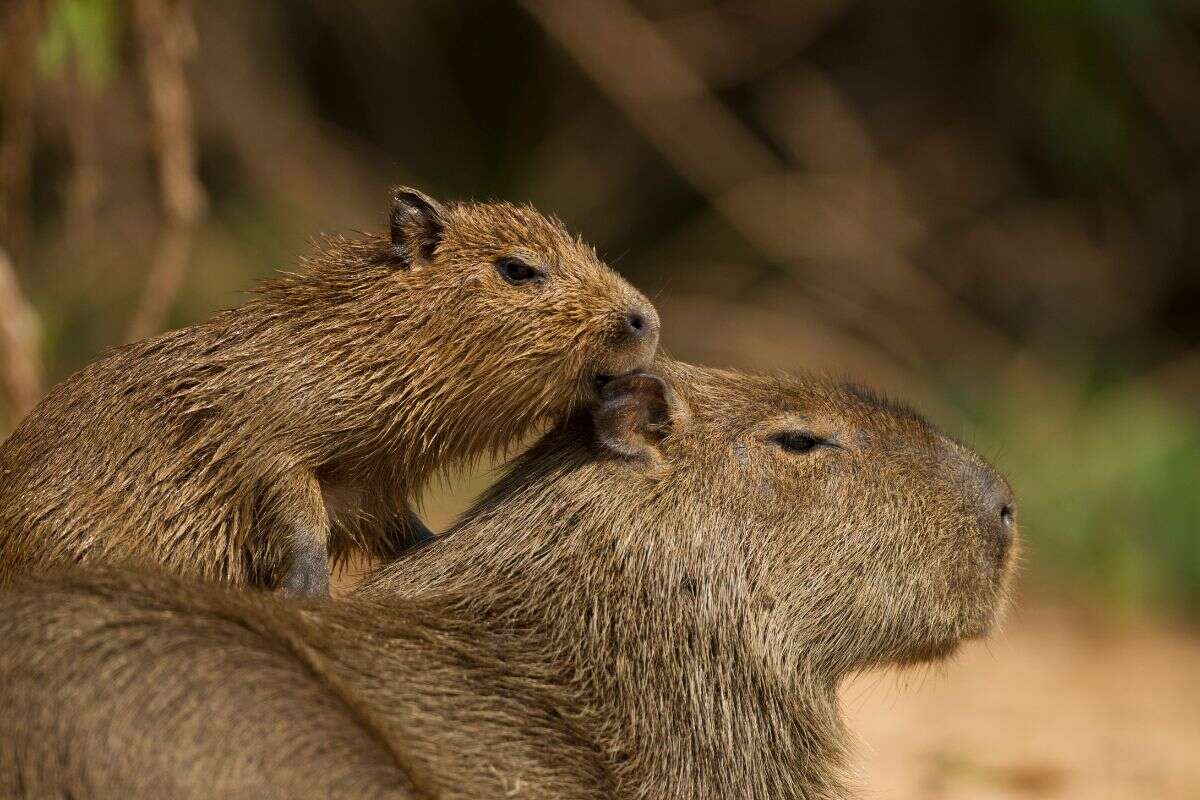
{"x": 1056, "y": 706}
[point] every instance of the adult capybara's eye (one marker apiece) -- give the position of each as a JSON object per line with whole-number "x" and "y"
{"x": 517, "y": 272}
{"x": 798, "y": 441}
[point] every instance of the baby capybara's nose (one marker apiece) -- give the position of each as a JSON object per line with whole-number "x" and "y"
{"x": 639, "y": 324}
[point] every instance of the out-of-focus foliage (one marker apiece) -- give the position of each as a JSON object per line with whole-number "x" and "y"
{"x": 998, "y": 195}
{"x": 1108, "y": 494}
{"x": 83, "y": 30}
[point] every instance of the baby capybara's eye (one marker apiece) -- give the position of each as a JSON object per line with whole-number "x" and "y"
{"x": 518, "y": 272}
{"x": 798, "y": 441}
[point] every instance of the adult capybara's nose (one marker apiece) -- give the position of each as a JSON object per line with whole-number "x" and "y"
{"x": 987, "y": 495}
{"x": 997, "y": 508}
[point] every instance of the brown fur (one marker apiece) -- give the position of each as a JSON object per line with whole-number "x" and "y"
{"x": 304, "y": 421}
{"x": 657, "y": 602}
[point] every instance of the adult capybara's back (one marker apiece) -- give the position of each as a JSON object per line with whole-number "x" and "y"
{"x": 248, "y": 448}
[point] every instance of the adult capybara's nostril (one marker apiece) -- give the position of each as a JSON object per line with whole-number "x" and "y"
{"x": 997, "y": 510}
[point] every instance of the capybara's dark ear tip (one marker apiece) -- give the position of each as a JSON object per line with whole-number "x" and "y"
{"x": 416, "y": 221}
{"x": 412, "y": 198}
{"x": 639, "y": 385}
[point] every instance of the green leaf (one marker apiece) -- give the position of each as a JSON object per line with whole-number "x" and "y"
{"x": 83, "y": 33}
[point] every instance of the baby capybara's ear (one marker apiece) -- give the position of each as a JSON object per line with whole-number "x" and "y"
{"x": 635, "y": 413}
{"x": 417, "y": 222}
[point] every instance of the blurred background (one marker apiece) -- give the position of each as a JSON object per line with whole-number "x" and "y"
{"x": 985, "y": 207}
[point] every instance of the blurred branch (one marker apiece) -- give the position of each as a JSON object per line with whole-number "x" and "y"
{"x": 665, "y": 99}
{"x": 20, "y": 369}
{"x": 20, "y": 22}
{"x": 87, "y": 177}
{"x": 167, "y": 39}
{"x": 279, "y": 138}
{"x": 790, "y": 219}
{"x": 1167, "y": 75}
{"x": 765, "y": 35}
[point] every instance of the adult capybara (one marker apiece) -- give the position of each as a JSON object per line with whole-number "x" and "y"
{"x": 249, "y": 448}
{"x": 658, "y": 601}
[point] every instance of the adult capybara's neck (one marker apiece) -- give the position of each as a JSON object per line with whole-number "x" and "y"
{"x": 681, "y": 685}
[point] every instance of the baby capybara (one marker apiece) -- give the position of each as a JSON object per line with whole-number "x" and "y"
{"x": 300, "y": 425}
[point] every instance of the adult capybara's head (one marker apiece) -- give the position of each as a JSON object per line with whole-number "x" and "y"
{"x": 863, "y": 532}
{"x": 840, "y": 530}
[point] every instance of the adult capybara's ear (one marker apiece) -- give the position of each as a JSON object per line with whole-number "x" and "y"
{"x": 417, "y": 222}
{"x": 635, "y": 413}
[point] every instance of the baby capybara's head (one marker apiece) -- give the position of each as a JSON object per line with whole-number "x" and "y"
{"x": 531, "y": 296}
{"x": 476, "y": 319}
{"x": 841, "y": 529}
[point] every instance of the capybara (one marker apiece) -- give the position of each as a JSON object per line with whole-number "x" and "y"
{"x": 657, "y": 601}
{"x": 250, "y": 448}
